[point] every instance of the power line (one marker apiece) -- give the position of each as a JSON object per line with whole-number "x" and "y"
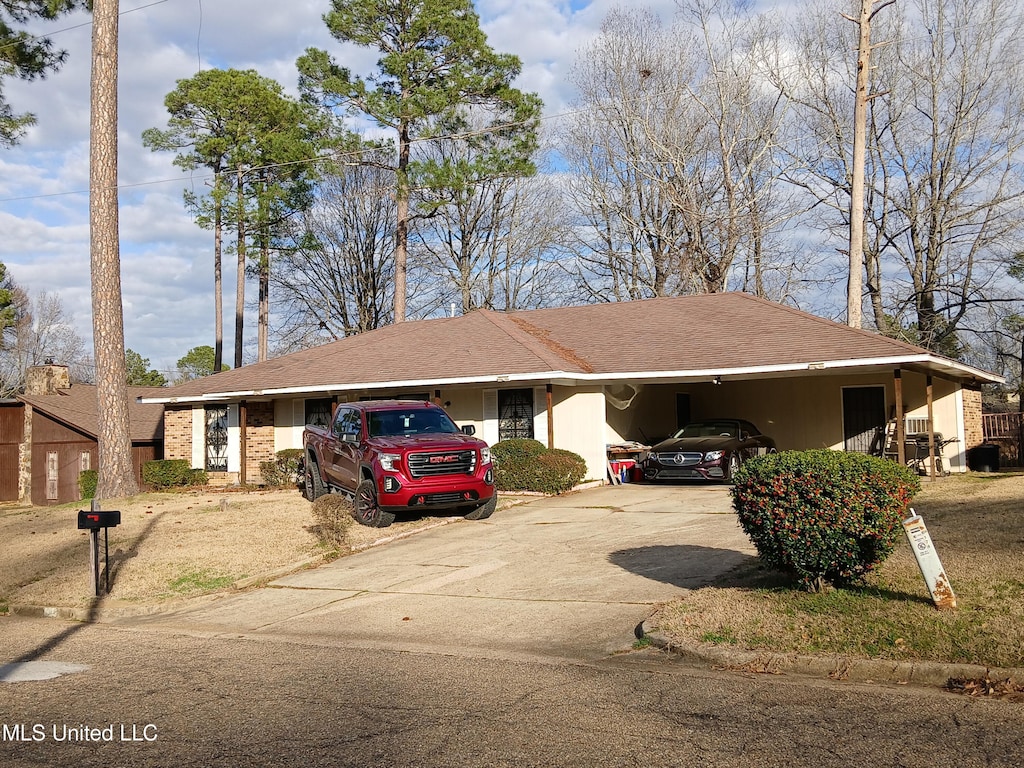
{"x": 73, "y": 27}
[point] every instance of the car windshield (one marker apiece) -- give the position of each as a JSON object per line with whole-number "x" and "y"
{"x": 415, "y": 421}
{"x": 710, "y": 429}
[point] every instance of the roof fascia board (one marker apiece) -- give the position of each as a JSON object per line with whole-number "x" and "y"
{"x": 359, "y": 386}
{"x": 64, "y": 422}
{"x": 923, "y": 361}
{"x": 575, "y": 376}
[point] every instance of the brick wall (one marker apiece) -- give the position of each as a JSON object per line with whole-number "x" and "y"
{"x": 259, "y": 442}
{"x": 974, "y": 429}
{"x": 178, "y": 432}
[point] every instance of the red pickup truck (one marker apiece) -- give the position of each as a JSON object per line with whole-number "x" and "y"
{"x": 398, "y": 456}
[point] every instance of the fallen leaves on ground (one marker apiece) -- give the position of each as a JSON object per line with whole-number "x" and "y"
{"x": 986, "y": 686}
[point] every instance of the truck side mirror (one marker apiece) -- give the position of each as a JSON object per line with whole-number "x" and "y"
{"x": 469, "y": 429}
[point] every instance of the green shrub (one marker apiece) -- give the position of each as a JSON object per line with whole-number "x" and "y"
{"x": 87, "y": 480}
{"x": 824, "y": 516}
{"x": 332, "y": 517}
{"x": 283, "y": 469}
{"x": 526, "y": 465}
{"x": 559, "y": 471}
{"x": 171, "y": 473}
{"x": 514, "y": 463}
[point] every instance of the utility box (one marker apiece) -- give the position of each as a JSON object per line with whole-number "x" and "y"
{"x": 983, "y": 458}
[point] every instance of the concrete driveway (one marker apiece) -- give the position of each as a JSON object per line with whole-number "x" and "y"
{"x": 568, "y": 577}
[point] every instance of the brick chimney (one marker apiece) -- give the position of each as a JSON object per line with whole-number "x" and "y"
{"x": 47, "y": 379}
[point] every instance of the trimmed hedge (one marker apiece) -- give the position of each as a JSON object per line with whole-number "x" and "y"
{"x": 283, "y": 469}
{"x": 171, "y": 473}
{"x": 824, "y": 516}
{"x": 87, "y": 481}
{"x": 526, "y": 465}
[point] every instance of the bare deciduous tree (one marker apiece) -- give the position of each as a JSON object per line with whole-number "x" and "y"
{"x": 336, "y": 278}
{"x": 492, "y": 243}
{"x": 674, "y": 155}
{"x": 41, "y": 332}
{"x": 946, "y": 127}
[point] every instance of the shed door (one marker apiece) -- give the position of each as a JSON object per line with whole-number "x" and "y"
{"x": 863, "y": 417}
{"x": 52, "y": 476}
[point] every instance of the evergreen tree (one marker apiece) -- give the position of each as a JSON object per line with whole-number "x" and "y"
{"x": 26, "y": 56}
{"x": 434, "y": 66}
{"x": 138, "y": 376}
{"x": 256, "y": 140}
{"x": 7, "y": 308}
{"x": 196, "y": 363}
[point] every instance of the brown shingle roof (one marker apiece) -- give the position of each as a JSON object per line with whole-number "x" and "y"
{"x": 673, "y": 334}
{"x": 78, "y": 408}
{"x": 707, "y": 332}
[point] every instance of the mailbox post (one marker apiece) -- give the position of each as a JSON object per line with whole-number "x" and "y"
{"x": 93, "y": 520}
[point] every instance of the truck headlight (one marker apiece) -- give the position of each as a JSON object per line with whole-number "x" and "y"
{"x": 389, "y": 461}
{"x": 485, "y": 455}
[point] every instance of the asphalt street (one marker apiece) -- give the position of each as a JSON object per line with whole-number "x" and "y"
{"x": 502, "y": 643}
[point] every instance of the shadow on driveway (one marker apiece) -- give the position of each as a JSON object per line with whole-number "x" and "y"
{"x": 684, "y": 565}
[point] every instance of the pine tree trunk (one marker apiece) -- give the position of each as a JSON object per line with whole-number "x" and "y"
{"x": 240, "y": 278}
{"x": 218, "y": 281}
{"x": 116, "y": 473}
{"x": 402, "y": 228}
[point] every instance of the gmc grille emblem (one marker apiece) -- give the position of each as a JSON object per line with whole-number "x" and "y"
{"x": 443, "y": 459}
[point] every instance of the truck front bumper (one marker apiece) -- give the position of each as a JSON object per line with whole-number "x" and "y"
{"x": 396, "y": 493}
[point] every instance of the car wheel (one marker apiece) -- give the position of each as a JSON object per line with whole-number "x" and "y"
{"x": 485, "y": 510}
{"x": 734, "y": 464}
{"x": 314, "y": 484}
{"x": 366, "y": 509}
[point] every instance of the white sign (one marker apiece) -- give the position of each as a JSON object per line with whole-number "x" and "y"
{"x": 928, "y": 560}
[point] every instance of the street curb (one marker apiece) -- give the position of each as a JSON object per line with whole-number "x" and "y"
{"x": 924, "y": 673}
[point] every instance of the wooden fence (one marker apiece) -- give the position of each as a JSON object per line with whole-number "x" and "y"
{"x": 1007, "y": 431}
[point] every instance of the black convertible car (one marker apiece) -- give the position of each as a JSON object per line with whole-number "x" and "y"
{"x": 706, "y": 450}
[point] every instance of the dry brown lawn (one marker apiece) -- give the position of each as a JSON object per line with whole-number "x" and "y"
{"x": 171, "y": 545}
{"x": 976, "y": 522}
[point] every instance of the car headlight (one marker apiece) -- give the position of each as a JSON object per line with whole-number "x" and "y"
{"x": 485, "y": 455}
{"x": 713, "y": 455}
{"x": 388, "y": 461}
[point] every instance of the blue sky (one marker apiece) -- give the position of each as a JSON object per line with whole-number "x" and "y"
{"x": 167, "y": 274}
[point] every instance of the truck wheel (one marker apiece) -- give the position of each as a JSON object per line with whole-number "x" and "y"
{"x": 314, "y": 484}
{"x": 367, "y": 511}
{"x": 485, "y": 510}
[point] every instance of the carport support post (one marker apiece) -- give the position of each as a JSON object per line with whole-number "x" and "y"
{"x": 551, "y": 417}
{"x": 901, "y": 426}
{"x": 931, "y": 428}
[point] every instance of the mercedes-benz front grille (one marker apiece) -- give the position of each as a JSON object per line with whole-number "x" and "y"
{"x": 442, "y": 463}
{"x": 674, "y": 459}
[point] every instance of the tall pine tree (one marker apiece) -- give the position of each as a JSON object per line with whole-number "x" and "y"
{"x": 434, "y": 65}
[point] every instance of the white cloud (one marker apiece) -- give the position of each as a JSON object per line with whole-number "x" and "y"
{"x": 166, "y": 259}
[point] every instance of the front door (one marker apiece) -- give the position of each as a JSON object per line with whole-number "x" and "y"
{"x": 515, "y": 414}
{"x": 863, "y": 418}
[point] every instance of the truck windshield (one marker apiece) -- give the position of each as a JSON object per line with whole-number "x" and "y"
{"x": 416, "y": 421}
